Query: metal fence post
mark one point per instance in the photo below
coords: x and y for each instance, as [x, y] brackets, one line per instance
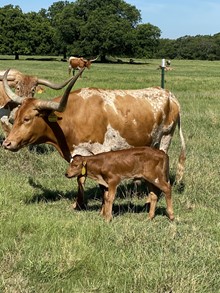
[162, 72]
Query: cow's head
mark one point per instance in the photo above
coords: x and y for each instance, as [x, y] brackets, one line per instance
[33, 117]
[89, 62]
[27, 86]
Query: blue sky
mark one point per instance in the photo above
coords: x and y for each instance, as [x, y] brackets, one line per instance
[175, 18]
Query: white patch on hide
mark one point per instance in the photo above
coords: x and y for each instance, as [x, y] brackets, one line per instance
[156, 180]
[165, 142]
[157, 97]
[134, 122]
[112, 142]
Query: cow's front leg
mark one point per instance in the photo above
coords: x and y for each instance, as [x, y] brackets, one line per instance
[80, 201]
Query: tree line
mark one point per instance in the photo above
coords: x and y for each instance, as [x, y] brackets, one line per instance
[95, 28]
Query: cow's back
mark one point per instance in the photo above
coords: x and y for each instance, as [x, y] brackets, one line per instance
[104, 120]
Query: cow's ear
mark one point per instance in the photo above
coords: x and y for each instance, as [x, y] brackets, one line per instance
[39, 89]
[52, 117]
[43, 113]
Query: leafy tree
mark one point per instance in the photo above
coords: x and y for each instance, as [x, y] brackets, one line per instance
[14, 31]
[98, 27]
[67, 25]
[166, 49]
[216, 38]
[146, 40]
[40, 40]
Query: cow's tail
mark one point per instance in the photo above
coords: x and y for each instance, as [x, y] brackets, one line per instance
[182, 156]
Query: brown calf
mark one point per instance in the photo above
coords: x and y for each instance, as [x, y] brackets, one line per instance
[109, 168]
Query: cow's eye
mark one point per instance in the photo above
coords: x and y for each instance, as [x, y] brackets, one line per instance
[33, 91]
[18, 89]
[26, 119]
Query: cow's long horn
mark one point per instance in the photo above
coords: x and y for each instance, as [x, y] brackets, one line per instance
[94, 59]
[55, 106]
[17, 99]
[53, 85]
[11, 76]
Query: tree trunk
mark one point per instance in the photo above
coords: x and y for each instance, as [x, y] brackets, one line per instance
[103, 59]
[16, 56]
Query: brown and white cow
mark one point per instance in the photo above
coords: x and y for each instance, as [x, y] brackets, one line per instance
[110, 168]
[94, 120]
[79, 63]
[25, 86]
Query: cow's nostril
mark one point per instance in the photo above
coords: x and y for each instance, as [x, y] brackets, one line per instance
[6, 144]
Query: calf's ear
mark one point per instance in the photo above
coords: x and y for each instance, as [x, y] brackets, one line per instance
[83, 168]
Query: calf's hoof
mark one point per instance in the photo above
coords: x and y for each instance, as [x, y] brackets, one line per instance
[107, 218]
[78, 206]
[150, 217]
[170, 216]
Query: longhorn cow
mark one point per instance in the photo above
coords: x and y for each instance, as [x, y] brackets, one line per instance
[24, 85]
[79, 63]
[93, 120]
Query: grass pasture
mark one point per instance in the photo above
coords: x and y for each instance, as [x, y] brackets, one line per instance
[47, 247]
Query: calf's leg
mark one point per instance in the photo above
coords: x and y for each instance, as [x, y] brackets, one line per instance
[109, 196]
[152, 200]
[153, 204]
[104, 190]
[80, 202]
[167, 191]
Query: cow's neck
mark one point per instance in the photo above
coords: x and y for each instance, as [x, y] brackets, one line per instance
[58, 139]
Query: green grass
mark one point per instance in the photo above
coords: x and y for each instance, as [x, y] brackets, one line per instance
[47, 247]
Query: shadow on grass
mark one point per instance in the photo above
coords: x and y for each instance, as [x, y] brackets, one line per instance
[93, 196]
[45, 194]
[178, 187]
[41, 149]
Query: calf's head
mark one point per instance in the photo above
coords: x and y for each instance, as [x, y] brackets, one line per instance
[77, 167]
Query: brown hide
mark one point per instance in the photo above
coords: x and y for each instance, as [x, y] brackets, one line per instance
[24, 86]
[78, 63]
[97, 120]
[110, 168]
